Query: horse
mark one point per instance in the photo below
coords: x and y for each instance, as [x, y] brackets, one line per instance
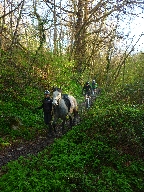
[64, 105]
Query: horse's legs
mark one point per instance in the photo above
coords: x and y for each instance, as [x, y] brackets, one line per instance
[54, 124]
[63, 125]
[71, 122]
[75, 117]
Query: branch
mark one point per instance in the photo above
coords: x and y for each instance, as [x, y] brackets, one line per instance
[11, 10]
[125, 57]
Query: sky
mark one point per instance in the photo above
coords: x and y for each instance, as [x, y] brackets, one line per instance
[137, 27]
[134, 27]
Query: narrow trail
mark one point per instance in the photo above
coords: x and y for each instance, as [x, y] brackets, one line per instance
[24, 148]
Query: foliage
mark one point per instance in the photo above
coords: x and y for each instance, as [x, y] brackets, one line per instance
[22, 84]
[103, 153]
[131, 80]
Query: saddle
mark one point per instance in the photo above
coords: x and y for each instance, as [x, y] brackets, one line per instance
[67, 101]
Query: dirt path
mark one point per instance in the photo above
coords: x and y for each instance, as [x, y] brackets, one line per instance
[16, 150]
[24, 148]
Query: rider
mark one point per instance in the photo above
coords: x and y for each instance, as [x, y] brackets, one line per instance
[94, 86]
[47, 110]
[87, 89]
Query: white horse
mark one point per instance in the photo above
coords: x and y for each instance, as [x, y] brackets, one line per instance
[64, 105]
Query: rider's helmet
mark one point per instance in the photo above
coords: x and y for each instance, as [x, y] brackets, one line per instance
[87, 83]
[46, 92]
[93, 80]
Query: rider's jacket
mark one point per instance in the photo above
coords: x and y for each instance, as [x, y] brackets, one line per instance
[46, 105]
[94, 85]
[87, 89]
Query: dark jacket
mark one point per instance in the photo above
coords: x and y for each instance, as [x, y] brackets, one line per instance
[46, 105]
[87, 89]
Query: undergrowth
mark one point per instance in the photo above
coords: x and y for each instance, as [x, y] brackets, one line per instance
[22, 84]
[103, 153]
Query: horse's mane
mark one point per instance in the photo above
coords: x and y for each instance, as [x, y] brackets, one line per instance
[57, 89]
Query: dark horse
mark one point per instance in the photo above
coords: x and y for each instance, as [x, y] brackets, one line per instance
[64, 105]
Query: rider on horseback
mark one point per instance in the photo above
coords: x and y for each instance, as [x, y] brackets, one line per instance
[87, 90]
[94, 86]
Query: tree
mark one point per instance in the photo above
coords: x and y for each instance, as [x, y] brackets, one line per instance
[88, 30]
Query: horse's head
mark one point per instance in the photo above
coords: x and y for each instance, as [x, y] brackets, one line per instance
[56, 96]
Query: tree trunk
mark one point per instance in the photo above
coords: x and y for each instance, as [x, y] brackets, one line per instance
[80, 36]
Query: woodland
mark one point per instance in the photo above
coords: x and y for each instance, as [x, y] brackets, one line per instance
[46, 44]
